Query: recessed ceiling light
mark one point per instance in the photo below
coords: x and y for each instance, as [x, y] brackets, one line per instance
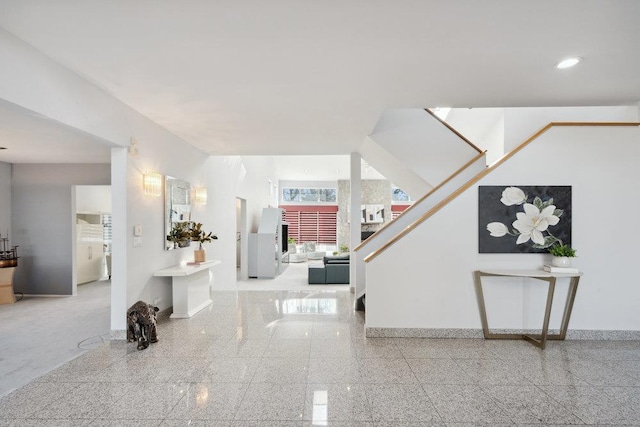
[568, 63]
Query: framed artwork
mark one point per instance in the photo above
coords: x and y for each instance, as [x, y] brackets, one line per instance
[372, 214]
[523, 219]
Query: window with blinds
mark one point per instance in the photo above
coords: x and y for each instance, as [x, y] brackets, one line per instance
[107, 233]
[312, 223]
[396, 210]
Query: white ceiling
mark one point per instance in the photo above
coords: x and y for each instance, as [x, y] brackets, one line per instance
[302, 77]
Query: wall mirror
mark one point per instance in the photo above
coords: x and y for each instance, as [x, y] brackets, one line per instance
[177, 196]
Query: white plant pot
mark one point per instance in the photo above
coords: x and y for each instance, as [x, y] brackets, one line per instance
[561, 261]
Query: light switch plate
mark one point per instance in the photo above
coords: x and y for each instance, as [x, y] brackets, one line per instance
[137, 230]
[137, 242]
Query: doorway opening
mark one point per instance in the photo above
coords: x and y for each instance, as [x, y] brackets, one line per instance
[242, 253]
[92, 231]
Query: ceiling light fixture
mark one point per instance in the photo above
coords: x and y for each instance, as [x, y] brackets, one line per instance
[568, 62]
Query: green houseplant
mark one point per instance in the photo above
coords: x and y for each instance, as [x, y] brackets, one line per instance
[180, 234]
[562, 255]
[562, 250]
[291, 245]
[200, 236]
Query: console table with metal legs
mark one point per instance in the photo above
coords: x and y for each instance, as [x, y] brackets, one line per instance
[541, 339]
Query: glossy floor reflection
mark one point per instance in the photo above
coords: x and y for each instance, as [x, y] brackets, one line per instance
[301, 359]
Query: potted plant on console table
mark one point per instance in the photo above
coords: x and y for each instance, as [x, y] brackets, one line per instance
[562, 255]
[200, 236]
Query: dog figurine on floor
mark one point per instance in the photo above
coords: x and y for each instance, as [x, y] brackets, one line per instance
[141, 324]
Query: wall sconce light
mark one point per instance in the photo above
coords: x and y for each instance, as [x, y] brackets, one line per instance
[201, 195]
[152, 183]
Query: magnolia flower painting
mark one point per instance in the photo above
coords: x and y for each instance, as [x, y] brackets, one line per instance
[523, 219]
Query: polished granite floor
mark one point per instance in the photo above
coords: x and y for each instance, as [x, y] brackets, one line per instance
[285, 358]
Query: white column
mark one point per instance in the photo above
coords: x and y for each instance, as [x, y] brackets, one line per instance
[356, 202]
[119, 161]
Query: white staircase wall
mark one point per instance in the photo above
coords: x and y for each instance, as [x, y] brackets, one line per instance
[487, 128]
[417, 153]
[409, 217]
[394, 170]
[484, 127]
[520, 123]
[420, 143]
[425, 280]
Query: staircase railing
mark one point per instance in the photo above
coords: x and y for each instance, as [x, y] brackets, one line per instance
[422, 199]
[479, 176]
[452, 129]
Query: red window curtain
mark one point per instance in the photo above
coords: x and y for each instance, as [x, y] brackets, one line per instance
[312, 223]
[396, 210]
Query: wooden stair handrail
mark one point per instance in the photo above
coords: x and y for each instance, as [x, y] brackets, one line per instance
[452, 129]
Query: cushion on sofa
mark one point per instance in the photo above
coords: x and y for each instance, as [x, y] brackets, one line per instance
[338, 259]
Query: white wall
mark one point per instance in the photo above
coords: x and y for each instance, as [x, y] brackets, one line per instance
[394, 169]
[231, 177]
[5, 198]
[133, 267]
[34, 81]
[254, 187]
[500, 130]
[436, 261]
[422, 143]
[493, 141]
[43, 214]
[227, 172]
[521, 123]
[482, 126]
[93, 198]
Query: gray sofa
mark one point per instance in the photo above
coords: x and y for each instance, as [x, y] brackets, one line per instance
[332, 270]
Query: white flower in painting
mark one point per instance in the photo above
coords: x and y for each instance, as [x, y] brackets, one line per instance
[497, 229]
[532, 222]
[513, 196]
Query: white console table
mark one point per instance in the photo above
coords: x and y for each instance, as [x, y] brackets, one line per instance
[190, 284]
[550, 278]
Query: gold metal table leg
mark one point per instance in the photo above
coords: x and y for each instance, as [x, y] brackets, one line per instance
[537, 340]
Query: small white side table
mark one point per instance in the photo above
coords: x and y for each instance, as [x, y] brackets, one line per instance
[190, 286]
[537, 340]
